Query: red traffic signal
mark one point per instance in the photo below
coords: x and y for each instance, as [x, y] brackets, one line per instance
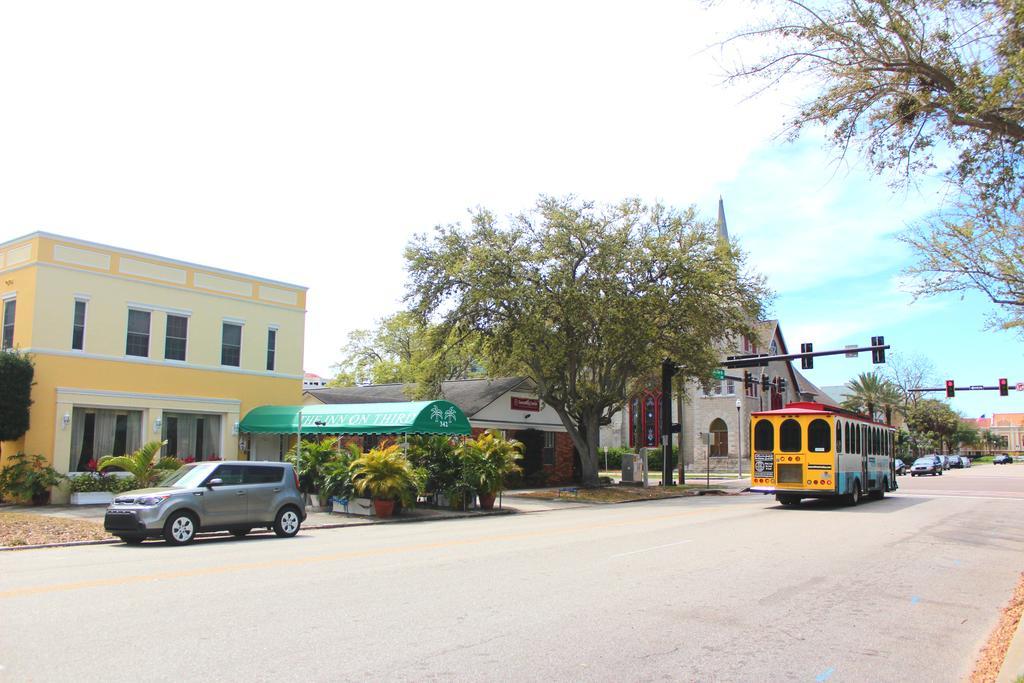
[1004, 387]
[950, 389]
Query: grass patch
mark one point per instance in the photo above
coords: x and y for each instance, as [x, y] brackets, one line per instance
[18, 529]
[618, 494]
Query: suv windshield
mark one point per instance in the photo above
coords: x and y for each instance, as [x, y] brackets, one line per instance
[188, 476]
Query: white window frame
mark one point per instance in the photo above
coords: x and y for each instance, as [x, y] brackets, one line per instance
[188, 335]
[80, 299]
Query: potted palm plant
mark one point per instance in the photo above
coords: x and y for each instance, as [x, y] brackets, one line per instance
[486, 461]
[141, 464]
[387, 476]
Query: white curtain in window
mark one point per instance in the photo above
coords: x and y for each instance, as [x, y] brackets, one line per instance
[134, 435]
[186, 435]
[103, 439]
[77, 433]
[211, 436]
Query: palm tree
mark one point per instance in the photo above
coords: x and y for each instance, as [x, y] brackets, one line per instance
[890, 399]
[139, 464]
[865, 393]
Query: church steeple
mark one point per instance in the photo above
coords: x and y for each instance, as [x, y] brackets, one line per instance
[723, 229]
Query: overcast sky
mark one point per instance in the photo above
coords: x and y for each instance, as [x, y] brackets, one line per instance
[307, 141]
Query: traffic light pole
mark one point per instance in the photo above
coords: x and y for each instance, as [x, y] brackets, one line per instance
[668, 368]
[756, 361]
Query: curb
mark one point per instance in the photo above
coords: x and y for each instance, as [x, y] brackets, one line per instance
[337, 525]
[1013, 662]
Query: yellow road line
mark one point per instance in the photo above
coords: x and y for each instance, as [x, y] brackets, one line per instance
[318, 559]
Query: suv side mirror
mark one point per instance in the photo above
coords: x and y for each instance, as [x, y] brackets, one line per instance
[214, 482]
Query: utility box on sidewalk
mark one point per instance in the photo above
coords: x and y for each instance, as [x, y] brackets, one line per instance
[634, 468]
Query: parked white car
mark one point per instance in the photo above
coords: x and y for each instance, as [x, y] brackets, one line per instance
[965, 461]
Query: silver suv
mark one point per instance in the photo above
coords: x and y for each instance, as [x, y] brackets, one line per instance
[210, 496]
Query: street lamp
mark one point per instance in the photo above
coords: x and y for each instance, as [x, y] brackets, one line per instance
[739, 439]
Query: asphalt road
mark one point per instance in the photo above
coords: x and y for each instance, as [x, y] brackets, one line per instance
[729, 588]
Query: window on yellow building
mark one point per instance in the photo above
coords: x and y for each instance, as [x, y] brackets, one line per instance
[231, 345]
[8, 328]
[78, 326]
[97, 432]
[271, 348]
[192, 435]
[176, 341]
[138, 333]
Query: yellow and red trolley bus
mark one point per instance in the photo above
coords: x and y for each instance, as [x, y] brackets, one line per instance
[810, 450]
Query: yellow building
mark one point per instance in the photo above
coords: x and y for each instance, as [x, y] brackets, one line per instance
[131, 347]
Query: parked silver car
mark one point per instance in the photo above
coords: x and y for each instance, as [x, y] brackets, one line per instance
[965, 461]
[210, 496]
[927, 464]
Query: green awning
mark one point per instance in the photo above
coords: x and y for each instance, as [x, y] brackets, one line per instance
[420, 417]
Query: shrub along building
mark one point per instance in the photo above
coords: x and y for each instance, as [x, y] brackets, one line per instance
[509, 404]
[133, 347]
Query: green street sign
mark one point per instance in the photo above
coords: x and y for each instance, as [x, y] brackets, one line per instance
[718, 374]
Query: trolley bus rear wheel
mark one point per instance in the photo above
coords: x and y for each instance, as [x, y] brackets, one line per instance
[880, 493]
[854, 497]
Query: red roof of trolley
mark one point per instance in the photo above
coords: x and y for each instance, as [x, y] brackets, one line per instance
[805, 408]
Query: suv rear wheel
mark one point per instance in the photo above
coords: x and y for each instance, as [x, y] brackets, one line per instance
[287, 522]
[180, 529]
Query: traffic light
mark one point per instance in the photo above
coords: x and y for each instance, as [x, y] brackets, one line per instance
[950, 389]
[1004, 387]
[806, 362]
[766, 383]
[878, 355]
[748, 380]
[782, 385]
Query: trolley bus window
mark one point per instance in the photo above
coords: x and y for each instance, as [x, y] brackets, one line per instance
[839, 436]
[849, 444]
[764, 436]
[790, 436]
[818, 436]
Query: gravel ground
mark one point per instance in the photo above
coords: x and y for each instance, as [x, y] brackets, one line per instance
[18, 529]
[986, 670]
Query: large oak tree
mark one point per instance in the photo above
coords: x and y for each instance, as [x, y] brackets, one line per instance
[585, 299]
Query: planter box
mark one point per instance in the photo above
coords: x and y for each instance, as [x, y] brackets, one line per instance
[353, 506]
[92, 498]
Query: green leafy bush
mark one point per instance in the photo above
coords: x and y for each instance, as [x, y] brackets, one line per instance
[315, 454]
[122, 484]
[438, 458]
[336, 473]
[16, 374]
[168, 463]
[28, 478]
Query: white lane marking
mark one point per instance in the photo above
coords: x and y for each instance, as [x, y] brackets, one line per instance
[657, 547]
[954, 495]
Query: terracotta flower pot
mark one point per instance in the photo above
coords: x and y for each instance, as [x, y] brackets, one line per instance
[487, 500]
[383, 508]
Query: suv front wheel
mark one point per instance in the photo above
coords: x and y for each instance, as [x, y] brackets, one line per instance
[287, 522]
[180, 528]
